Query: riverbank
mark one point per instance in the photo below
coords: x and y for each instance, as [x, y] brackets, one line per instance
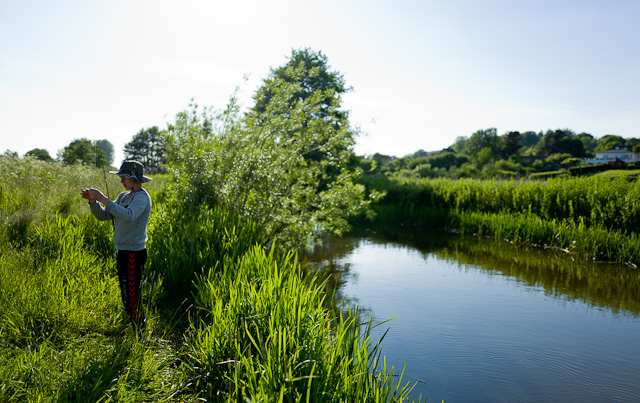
[597, 218]
[228, 319]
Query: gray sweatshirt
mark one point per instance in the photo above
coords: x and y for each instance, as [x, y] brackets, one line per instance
[131, 214]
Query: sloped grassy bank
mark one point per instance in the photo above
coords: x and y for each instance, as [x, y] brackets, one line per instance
[597, 218]
[229, 319]
[261, 330]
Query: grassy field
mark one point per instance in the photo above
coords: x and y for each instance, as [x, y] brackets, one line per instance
[229, 320]
[596, 217]
[629, 174]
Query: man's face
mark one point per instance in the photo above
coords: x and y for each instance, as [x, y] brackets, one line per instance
[128, 183]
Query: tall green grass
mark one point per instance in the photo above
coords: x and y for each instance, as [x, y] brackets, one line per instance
[63, 335]
[597, 217]
[185, 243]
[258, 328]
[263, 334]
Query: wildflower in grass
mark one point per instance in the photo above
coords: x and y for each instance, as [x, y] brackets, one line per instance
[130, 215]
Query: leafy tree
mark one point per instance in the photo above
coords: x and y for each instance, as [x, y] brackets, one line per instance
[414, 162]
[107, 147]
[529, 142]
[419, 153]
[368, 165]
[510, 166]
[383, 160]
[424, 171]
[557, 158]
[610, 142]
[571, 162]
[286, 164]
[484, 156]
[307, 78]
[148, 147]
[468, 170]
[530, 139]
[83, 151]
[447, 160]
[511, 145]
[442, 160]
[376, 163]
[631, 143]
[40, 154]
[398, 164]
[309, 70]
[481, 140]
[460, 146]
[589, 142]
[562, 141]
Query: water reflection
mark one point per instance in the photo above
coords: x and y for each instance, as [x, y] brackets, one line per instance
[609, 286]
[485, 321]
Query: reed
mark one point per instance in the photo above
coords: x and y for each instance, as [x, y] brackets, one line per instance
[597, 217]
[186, 243]
[263, 334]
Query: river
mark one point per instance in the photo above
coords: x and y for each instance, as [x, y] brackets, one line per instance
[478, 320]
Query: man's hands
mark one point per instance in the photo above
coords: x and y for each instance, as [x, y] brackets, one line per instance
[93, 194]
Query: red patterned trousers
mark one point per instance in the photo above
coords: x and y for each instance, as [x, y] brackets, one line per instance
[130, 266]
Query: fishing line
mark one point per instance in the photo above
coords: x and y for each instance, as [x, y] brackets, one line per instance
[104, 174]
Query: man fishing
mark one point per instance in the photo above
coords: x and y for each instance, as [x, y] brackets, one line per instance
[130, 214]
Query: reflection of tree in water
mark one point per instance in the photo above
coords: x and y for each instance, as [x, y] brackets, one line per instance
[561, 275]
[329, 262]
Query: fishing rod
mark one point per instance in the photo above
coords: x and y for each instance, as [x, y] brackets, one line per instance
[106, 185]
[104, 174]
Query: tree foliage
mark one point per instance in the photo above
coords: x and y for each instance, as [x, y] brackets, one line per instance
[10, 154]
[610, 142]
[307, 80]
[286, 163]
[518, 154]
[560, 142]
[530, 139]
[460, 144]
[511, 144]
[482, 140]
[40, 154]
[310, 73]
[83, 151]
[589, 142]
[444, 160]
[107, 148]
[147, 147]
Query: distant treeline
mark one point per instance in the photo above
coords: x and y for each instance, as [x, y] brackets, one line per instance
[485, 154]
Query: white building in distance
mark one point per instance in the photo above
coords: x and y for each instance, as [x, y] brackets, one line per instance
[604, 157]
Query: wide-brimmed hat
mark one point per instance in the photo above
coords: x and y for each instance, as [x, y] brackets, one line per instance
[132, 169]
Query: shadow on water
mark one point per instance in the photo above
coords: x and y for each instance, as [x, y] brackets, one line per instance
[561, 275]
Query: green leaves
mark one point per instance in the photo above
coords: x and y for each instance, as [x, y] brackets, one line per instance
[147, 147]
[263, 332]
[287, 164]
[83, 151]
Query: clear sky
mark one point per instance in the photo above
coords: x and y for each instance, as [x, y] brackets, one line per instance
[422, 72]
